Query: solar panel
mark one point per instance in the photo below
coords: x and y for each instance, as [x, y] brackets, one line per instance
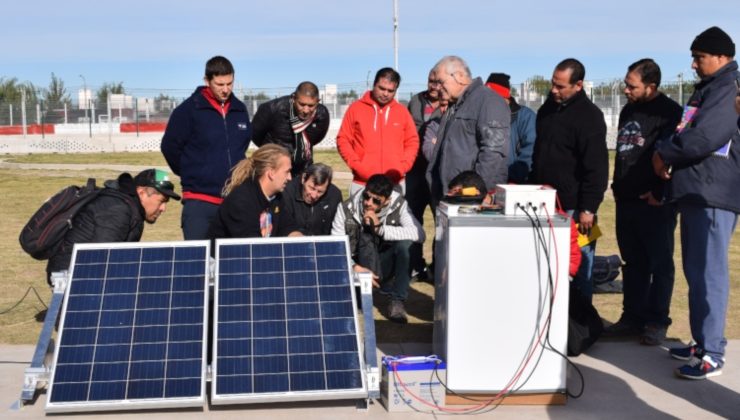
[285, 322]
[132, 329]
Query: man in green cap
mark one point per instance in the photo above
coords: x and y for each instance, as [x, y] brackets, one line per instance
[117, 214]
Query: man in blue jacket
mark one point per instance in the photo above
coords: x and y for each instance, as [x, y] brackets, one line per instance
[702, 161]
[523, 132]
[205, 137]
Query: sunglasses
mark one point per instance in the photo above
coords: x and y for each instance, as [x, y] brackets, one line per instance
[375, 200]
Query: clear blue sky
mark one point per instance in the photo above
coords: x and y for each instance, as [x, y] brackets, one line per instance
[161, 45]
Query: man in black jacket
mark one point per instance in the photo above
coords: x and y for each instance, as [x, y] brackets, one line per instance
[118, 214]
[297, 122]
[644, 224]
[312, 200]
[570, 155]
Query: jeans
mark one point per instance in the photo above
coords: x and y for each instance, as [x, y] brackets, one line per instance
[645, 239]
[196, 218]
[394, 259]
[705, 241]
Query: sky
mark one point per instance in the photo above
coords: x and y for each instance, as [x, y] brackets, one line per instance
[162, 45]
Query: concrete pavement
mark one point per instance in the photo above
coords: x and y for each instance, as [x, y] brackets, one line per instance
[622, 380]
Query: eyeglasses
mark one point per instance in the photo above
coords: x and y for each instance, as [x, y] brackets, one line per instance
[375, 200]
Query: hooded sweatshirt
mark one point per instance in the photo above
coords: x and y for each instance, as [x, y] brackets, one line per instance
[377, 140]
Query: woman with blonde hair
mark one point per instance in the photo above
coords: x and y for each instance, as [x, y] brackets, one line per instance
[252, 197]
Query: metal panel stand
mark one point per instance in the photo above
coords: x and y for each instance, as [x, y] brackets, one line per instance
[364, 281]
[38, 371]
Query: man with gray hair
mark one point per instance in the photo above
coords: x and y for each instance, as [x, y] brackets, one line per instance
[474, 132]
[312, 200]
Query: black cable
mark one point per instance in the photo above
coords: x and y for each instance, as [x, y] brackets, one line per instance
[538, 238]
[30, 288]
[547, 337]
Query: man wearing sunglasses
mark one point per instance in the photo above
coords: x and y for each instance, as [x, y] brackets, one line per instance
[117, 214]
[381, 229]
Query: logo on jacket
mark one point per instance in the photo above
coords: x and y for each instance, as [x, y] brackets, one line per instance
[630, 136]
[241, 126]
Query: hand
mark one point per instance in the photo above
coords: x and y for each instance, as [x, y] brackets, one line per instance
[357, 268]
[370, 218]
[662, 170]
[585, 222]
[648, 196]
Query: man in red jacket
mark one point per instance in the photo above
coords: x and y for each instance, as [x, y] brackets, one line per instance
[378, 135]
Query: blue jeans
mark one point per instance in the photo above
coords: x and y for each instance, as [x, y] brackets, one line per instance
[582, 281]
[196, 218]
[395, 260]
[645, 239]
[705, 241]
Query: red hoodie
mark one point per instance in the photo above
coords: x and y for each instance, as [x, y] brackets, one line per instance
[374, 140]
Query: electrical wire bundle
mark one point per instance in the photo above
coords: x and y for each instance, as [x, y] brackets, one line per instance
[539, 342]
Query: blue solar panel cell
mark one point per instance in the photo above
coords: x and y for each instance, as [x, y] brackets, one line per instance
[285, 319]
[145, 388]
[132, 328]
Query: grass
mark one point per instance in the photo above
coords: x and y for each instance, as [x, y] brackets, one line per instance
[24, 190]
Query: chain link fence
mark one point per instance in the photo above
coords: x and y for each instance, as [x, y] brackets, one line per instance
[149, 109]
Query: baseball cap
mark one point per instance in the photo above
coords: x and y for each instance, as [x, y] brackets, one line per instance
[157, 179]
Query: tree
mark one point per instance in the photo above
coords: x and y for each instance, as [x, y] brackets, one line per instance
[56, 94]
[259, 96]
[348, 96]
[164, 102]
[539, 85]
[11, 91]
[109, 88]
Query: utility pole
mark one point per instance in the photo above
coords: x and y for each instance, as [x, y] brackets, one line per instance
[395, 34]
[680, 88]
[87, 103]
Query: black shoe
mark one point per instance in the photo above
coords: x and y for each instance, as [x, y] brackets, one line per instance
[622, 328]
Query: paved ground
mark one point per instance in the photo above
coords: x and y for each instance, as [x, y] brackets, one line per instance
[622, 380]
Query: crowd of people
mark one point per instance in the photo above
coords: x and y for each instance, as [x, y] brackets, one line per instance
[461, 133]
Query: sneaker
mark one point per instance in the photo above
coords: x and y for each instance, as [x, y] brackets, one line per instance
[700, 368]
[684, 353]
[622, 328]
[397, 312]
[653, 335]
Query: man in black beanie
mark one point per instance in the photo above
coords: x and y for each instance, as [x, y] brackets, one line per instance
[702, 162]
[523, 132]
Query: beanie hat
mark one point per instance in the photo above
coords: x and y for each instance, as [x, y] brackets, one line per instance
[499, 83]
[714, 41]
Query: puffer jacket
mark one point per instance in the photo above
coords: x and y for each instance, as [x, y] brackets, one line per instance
[114, 216]
[374, 140]
[704, 155]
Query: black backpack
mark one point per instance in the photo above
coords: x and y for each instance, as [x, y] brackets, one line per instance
[43, 234]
